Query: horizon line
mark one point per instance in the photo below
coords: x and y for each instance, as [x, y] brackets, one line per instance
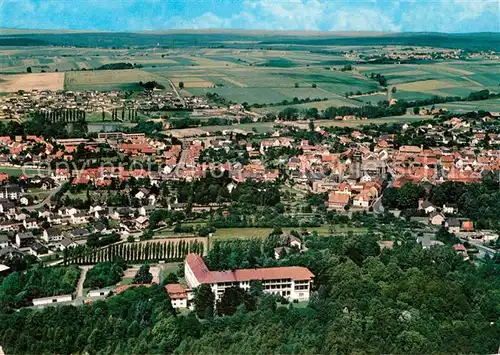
[227, 30]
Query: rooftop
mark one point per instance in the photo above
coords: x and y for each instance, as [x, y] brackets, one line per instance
[201, 272]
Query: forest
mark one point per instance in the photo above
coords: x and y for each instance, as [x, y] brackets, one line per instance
[213, 187]
[405, 300]
[20, 288]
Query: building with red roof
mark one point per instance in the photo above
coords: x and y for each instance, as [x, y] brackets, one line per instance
[178, 295]
[292, 282]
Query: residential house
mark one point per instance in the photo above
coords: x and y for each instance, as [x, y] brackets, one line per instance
[30, 223]
[101, 228]
[453, 225]
[141, 222]
[52, 235]
[79, 218]
[24, 239]
[79, 233]
[450, 208]
[437, 218]
[4, 241]
[178, 295]
[12, 192]
[361, 201]
[67, 211]
[38, 249]
[461, 250]
[427, 242]
[10, 226]
[467, 226]
[426, 206]
[337, 201]
[56, 218]
[66, 243]
[7, 207]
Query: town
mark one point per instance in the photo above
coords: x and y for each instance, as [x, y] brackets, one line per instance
[147, 208]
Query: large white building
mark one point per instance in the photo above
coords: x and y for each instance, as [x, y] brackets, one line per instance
[293, 282]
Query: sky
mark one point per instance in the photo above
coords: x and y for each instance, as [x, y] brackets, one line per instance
[312, 15]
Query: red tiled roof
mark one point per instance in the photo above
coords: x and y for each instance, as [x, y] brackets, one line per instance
[201, 272]
[176, 291]
[468, 225]
[336, 198]
[459, 247]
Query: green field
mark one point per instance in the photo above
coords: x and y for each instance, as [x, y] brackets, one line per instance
[109, 80]
[17, 171]
[450, 78]
[248, 233]
[486, 105]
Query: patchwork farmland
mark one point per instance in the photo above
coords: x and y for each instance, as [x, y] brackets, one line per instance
[251, 75]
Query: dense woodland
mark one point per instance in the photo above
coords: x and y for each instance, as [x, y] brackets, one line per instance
[104, 274]
[20, 288]
[401, 301]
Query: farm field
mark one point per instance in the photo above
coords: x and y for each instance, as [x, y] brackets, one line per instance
[320, 105]
[451, 78]
[486, 105]
[356, 123]
[33, 81]
[109, 80]
[251, 75]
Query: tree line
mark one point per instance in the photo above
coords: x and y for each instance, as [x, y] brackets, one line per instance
[133, 252]
[126, 113]
[62, 115]
[383, 109]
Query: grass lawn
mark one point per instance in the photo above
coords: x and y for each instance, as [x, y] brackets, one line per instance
[302, 304]
[18, 171]
[126, 281]
[169, 268]
[249, 233]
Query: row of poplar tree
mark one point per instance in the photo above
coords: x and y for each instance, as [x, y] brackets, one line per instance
[126, 113]
[133, 252]
[62, 115]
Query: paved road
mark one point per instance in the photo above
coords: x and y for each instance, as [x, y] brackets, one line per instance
[482, 249]
[378, 208]
[176, 92]
[79, 287]
[182, 162]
